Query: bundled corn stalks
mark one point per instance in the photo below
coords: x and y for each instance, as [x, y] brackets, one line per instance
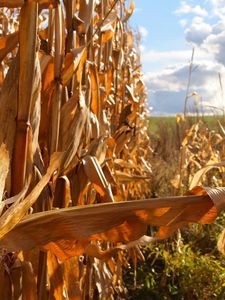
[73, 148]
[72, 100]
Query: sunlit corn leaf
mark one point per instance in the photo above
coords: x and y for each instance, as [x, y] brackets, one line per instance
[95, 93]
[20, 208]
[73, 60]
[130, 10]
[8, 111]
[126, 221]
[211, 165]
[85, 15]
[4, 168]
[11, 3]
[125, 177]
[7, 44]
[95, 174]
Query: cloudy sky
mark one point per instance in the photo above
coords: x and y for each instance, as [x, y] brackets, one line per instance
[170, 29]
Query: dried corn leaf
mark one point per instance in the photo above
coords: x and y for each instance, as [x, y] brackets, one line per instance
[73, 137]
[95, 251]
[4, 168]
[19, 208]
[107, 32]
[7, 44]
[72, 278]
[197, 177]
[98, 148]
[125, 177]
[85, 15]
[47, 3]
[35, 115]
[95, 174]
[55, 277]
[129, 11]
[221, 128]
[73, 61]
[11, 3]
[95, 94]
[125, 221]
[29, 288]
[8, 111]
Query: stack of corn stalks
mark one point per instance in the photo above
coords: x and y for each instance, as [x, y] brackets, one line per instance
[72, 99]
[73, 148]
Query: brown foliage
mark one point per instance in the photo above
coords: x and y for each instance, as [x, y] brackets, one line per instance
[74, 148]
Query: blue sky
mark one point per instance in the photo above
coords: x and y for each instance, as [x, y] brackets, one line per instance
[170, 29]
[160, 21]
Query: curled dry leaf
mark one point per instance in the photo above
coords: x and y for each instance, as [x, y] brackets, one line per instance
[107, 32]
[95, 94]
[197, 177]
[74, 60]
[126, 221]
[20, 208]
[221, 128]
[95, 174]
[129, 11]
[73, 136]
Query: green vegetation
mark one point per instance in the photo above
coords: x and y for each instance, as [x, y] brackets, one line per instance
[170, 121]
[187, 266]
[179, 272]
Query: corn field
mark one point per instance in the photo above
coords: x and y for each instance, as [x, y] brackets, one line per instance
[75, 153]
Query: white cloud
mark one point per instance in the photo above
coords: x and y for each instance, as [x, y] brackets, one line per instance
[167, 58]
[215, 43]
[164, 56]
[218, 27]
[168, 87]
[198, 31]
[155, 61]
[208, 36]
[218, 8]
[185, 8]
[183, 22]
[143, 31]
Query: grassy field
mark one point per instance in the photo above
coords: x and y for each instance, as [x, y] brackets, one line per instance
[170, 122]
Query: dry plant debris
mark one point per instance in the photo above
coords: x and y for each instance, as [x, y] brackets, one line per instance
[74, 148]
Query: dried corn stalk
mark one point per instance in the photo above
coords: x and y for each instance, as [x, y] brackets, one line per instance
[201, 151]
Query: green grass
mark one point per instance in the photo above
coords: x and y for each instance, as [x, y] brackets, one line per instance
[170, 122]
[155, 121]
